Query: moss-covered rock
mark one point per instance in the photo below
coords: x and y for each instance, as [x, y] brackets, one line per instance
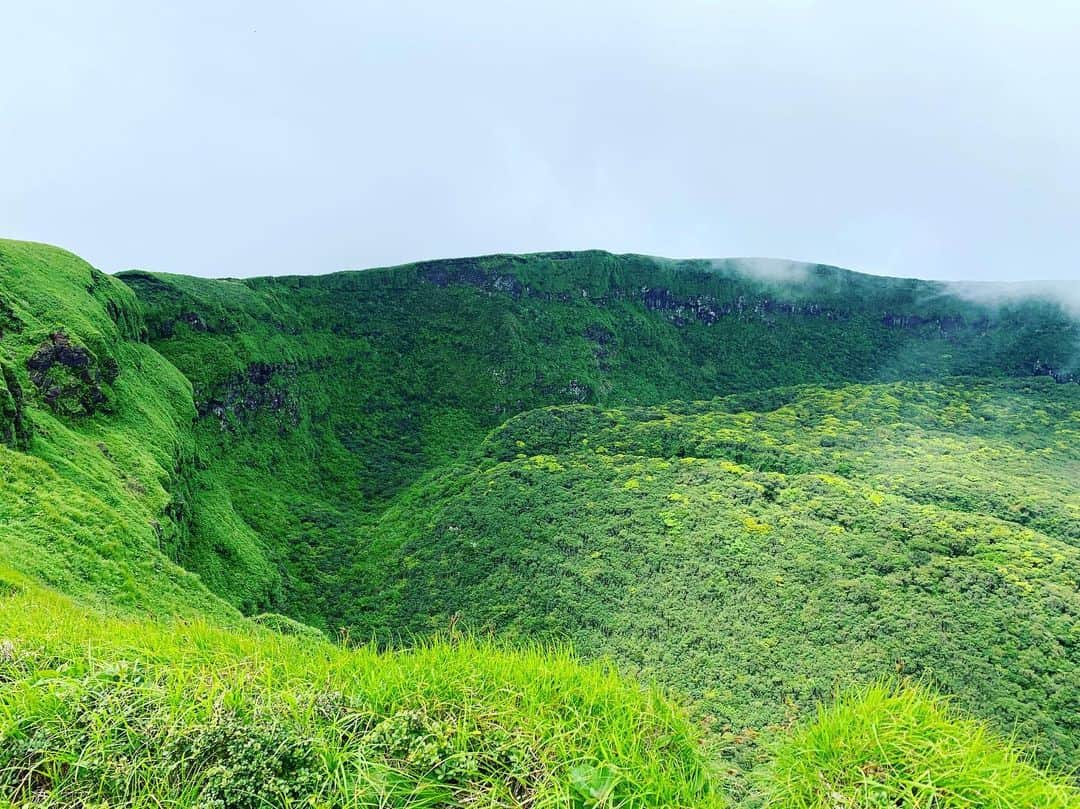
[71, 379]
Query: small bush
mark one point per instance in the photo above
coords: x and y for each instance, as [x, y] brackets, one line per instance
[244, 762]
[287, 626]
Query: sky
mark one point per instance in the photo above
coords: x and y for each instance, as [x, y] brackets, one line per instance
[929, 139]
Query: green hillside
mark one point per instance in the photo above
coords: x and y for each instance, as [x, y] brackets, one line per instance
[775, 509]
[321, 397]
[755, 558]
[97, 434]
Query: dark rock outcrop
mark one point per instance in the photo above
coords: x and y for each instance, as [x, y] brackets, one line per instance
[679, 309]
[70, 378]
[262, 387]
[1061, 375]
[442, 273]
[945, 324]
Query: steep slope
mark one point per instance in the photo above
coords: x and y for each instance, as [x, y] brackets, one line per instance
[96, 434]
[320, 397]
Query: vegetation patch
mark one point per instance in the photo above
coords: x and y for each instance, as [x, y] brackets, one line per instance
[96, 711]
[889, 746]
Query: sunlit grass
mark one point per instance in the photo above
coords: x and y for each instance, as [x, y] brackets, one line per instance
[129, 712]
[888, 745]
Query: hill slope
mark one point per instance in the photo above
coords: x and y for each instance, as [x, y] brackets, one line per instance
[96, 428]
[511, 444]
[347, 387]
[757, 550]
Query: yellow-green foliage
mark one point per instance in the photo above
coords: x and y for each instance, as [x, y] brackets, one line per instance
[122, 712]
[902, 746]
[766, 555]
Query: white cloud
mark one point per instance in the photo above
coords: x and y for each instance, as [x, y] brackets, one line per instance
[774, 270]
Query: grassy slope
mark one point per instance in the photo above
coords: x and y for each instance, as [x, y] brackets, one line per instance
[134, 713]
[86, 506]
[886, 746]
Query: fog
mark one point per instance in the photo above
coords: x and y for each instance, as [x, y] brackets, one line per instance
[1065, 293]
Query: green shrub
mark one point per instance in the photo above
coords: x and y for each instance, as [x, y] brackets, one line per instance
[244, 762]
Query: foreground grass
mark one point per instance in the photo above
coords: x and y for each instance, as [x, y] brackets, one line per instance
[122, 712]
[106, 712]
[889, 746]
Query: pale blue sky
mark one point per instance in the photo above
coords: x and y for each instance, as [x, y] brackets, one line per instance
[935, 139]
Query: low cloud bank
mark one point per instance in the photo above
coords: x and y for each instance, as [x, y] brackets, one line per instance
[1064, 293]
[774, 270]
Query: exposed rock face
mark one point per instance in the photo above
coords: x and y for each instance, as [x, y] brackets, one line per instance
[945, 325]
[175, 309]
[1040, 368]
[679, 309]
[14, 426]
[603, 340]
[193, 320]
[69, 377]
[708, 309]
[454, 271]
[263, 387]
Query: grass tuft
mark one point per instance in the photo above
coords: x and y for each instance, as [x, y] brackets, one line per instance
[891, 744]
